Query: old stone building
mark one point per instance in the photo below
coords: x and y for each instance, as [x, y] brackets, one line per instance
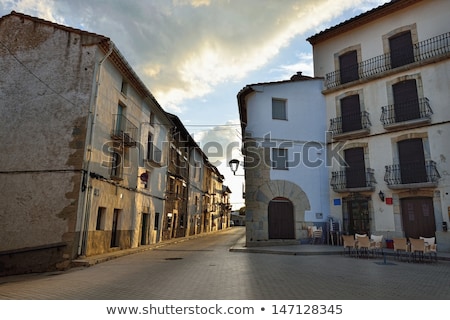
[87, 149]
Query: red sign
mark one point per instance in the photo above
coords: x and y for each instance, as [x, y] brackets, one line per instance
[388, 200]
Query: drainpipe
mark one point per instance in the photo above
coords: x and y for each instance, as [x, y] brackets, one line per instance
[87, 180]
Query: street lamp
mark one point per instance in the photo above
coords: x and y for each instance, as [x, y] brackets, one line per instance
[234, 165]
[381, 195]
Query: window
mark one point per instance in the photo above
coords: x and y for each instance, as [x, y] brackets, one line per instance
[348, 64]
[150, 146]
[116, 167]
[279, 159]
[351, 113]
[196, 204]
[152, 118]
[100, 225]
[124, 88]
[279, 109]
[401, 48]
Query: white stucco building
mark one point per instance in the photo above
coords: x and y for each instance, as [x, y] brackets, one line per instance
[286, 180]
[387, 77]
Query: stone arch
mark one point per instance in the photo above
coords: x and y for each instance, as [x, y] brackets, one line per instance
[285, 189]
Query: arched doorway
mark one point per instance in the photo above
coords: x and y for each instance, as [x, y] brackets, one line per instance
[281, 219]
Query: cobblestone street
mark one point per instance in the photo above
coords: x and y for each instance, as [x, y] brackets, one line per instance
[205, 268]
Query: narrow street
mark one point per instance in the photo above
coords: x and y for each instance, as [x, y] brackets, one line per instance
[204, 269]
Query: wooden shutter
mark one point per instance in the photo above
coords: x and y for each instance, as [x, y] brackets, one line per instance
[348, 64]
[401, 47]
[355, 173]
[406, 100]
[412, 161]
[351, 114]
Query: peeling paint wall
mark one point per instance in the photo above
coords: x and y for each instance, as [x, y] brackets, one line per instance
[45, 92]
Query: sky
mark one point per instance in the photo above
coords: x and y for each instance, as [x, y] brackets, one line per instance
[196, 55]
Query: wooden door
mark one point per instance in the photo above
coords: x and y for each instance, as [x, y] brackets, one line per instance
[418, 217]
[281, 219]
[114, 228]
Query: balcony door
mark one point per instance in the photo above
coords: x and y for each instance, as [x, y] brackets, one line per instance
[355, 172]
[348, 64]
[401, 48]
[281, 219]
[351, 114]
[412, 161]
[406, 101]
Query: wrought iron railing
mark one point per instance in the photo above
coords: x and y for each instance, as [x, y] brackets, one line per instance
[124, 130]
[398, 174]
[424, 50]
[411, 110]
[361, 120]
[339, 180]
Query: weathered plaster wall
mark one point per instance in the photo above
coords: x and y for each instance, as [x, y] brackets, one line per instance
[44, 94]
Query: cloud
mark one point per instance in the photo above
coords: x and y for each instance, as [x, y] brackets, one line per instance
[184, 49]
[220, 143]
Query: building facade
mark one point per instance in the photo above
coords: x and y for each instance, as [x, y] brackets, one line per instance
[283, 132]
[88, 164]
[386, 85]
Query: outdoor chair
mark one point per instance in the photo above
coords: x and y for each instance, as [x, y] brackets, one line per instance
[430, 247]
[349, 243]
[417, 248]
[376, 244]
[318, 235]
[363, 245]
[400, 247]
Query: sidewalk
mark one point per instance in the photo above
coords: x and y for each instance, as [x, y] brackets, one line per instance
[312, 249]
[288, 249]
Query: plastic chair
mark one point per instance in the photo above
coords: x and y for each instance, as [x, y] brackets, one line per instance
[317, 235]
[335, 231]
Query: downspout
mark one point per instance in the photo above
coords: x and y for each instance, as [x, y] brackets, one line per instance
[87, 180]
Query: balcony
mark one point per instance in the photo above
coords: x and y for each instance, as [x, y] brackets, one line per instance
[409, 114]
[353, 181]
[424, 51]
[412, 176]
[124, 130]
[350, 126]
